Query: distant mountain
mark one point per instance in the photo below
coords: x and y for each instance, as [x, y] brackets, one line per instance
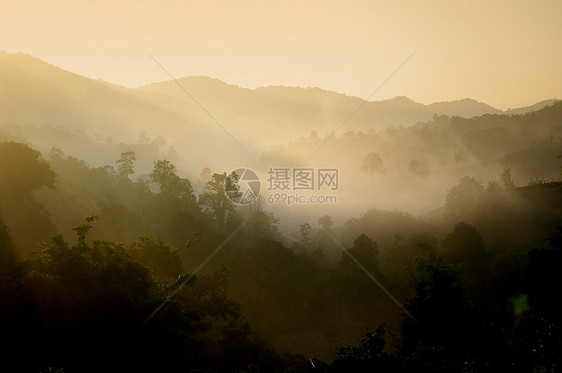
[298, 108]
[466, 108]
[528, 109]
[33, 92]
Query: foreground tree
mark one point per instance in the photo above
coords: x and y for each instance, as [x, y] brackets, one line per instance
[85, 306]
[7, 252]
[23, 170]
[368, 356]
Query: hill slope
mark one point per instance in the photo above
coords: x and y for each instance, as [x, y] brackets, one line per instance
[36, 93]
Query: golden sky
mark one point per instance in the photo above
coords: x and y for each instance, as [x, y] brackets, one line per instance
[505, 53]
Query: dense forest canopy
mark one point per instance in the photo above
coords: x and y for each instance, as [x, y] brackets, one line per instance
[441, 255]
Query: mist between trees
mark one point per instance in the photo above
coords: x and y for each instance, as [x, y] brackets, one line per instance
[87, 253]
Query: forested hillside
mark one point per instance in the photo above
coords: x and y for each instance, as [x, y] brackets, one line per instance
[475, 279]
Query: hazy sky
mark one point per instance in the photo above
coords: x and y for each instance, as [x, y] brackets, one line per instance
[505, 53]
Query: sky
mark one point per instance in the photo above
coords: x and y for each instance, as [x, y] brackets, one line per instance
[505, 53]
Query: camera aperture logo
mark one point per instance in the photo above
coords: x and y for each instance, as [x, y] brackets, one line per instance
[286, 185]
[242, 186]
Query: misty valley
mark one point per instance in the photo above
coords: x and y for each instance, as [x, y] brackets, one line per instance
[422, 238]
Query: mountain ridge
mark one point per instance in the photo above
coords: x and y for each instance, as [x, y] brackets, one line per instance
[34, 92]
[440, 107]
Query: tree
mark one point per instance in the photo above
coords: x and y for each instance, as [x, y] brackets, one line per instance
[164, 174]
[22, 170]
[171, 185]
[143, 138]
[7, 253]
[439, 309]
[464, 244]
[84, 307]
[83, 229]
[126, 164]
[410, 256]
[373, 163]
[69, 304]
[465, 199]
[304, 241]
[506, 181]
[494, 189]
[365, 251]
[204, 178]
[262, 224]
[367, 357]
[162, 260]
[322, 240]
[326, 223]
[55, 154]
[216, 199]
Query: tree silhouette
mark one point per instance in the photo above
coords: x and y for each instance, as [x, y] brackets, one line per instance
[126, 164]
[464, 244]
[304, 241]
[373, 163]
[506, 181]
[7, 252]
[322, 240]
[365, 251]
[439, 308]
[165, 175]
[83, 229]
[326, 222]
[22, 170]
[465, 200]
[368, 356]
[215, 198]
